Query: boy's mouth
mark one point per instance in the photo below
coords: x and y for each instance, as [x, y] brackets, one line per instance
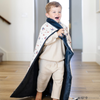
[56, 17]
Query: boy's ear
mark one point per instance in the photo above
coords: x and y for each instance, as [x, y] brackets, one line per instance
[47, 14]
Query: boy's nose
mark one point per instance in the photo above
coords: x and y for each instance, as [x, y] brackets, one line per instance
[57, 13]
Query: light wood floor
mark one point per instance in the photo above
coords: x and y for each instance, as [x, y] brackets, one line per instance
[85, 82]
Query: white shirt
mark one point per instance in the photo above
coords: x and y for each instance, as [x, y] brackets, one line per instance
[53, 49]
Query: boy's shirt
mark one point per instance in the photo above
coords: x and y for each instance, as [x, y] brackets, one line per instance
[53, 49]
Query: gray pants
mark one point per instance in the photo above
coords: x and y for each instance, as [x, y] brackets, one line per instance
[48, 69]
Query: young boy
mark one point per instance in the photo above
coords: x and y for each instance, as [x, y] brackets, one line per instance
[51, 58]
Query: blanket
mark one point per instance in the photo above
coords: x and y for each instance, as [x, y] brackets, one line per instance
[28, 86]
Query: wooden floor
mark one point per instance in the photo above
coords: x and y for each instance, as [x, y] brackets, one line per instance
[85, 82]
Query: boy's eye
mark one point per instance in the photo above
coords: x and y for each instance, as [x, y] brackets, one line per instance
[59, 11]
[54, 12]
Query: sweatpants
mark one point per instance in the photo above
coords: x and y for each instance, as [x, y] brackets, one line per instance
[48, 69]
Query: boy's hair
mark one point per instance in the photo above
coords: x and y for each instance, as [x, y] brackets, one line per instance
[52, 4]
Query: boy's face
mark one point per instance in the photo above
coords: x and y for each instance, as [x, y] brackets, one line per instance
[54, 13]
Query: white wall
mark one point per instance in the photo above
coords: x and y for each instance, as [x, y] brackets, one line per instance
[98, 38]
[76, 24]
[17, 39]
[89, 30]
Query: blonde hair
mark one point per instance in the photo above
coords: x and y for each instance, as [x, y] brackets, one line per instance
[52, 4]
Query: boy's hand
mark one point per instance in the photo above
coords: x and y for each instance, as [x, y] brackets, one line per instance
[60, 32]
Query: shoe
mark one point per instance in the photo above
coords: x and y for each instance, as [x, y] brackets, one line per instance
[73, 98]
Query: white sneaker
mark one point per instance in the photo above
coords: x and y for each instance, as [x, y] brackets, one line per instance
[73, 98]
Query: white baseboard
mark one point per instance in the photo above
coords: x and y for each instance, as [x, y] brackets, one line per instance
[19, 56]
[4, 53]
[88, 57]
[98, 58]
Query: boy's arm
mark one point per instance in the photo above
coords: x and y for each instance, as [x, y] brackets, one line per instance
[51, 39]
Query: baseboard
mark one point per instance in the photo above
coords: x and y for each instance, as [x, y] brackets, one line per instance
[4, 53]
[88, 57]
[98, 58]
[19, 56]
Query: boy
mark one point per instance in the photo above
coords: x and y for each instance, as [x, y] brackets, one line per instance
[55, 46]
[51, 58]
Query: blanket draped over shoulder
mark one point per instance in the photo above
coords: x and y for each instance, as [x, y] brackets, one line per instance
[28, 86]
